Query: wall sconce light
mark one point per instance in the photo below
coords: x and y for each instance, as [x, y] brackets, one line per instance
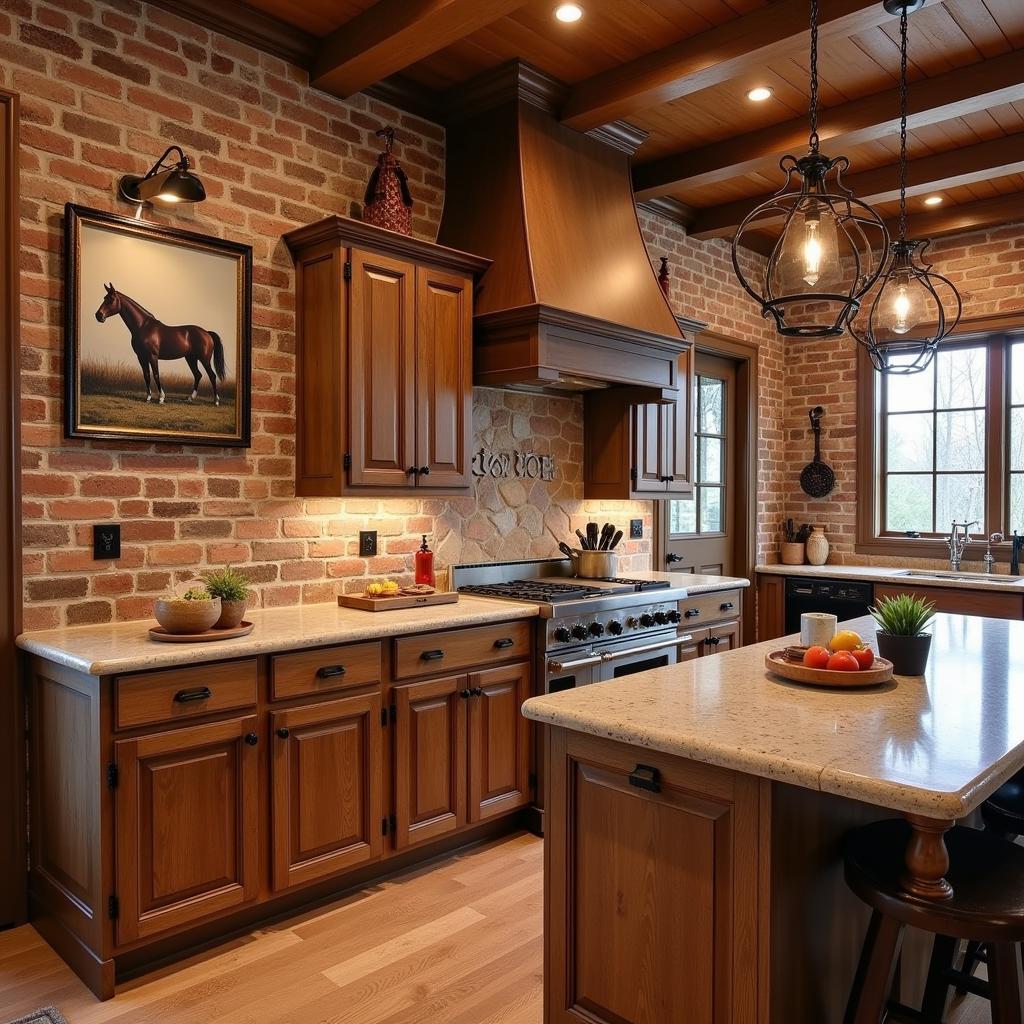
[170, 182]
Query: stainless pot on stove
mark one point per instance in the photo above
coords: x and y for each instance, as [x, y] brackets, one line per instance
[595, 565]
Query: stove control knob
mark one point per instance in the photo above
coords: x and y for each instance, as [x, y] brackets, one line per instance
[661, 618]
[646, 620]
[615, 627]
[632, 622]
[561, 634]
[673, 616]
[579, 631]
[596, 629]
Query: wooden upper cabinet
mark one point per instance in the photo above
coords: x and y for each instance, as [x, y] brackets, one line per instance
[384, 362]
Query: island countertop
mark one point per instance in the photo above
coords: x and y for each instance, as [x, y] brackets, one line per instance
[936, 746]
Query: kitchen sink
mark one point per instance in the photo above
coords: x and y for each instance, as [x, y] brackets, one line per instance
[925, 574]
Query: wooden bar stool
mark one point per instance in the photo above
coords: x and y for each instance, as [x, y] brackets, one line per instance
[987, 904]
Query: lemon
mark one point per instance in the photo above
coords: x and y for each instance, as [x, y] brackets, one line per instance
[845, 640]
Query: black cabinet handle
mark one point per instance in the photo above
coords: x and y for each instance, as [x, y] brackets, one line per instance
[199, 693]
[424, 471]
[283, 733]
[645, 777]
[477, 692]
[713, 641]
[691, 612]
[252, 739]
[504, 642]
[432, 655]
[330, 671]
[465, 694]
[727, 607]
[673, 557]
[412, 471]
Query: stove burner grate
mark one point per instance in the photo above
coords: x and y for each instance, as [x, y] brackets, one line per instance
[541, 591]
[639, 586]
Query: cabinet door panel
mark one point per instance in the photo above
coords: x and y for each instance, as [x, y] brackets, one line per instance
[327, 788]
[499, 742]
[648, 446]
[724, 637]
[444, 377]
[382, 308]
[187, 825]
[430, 759]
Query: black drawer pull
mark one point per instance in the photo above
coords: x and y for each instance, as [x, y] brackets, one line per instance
[465, 694]
[432, 655]
[252, 739]
[727, 607]
[477, 692]
[691, 612]
[199, 693]
[504, 642]
[645, 777]
[284, 732]
[330, 671]
[713, 641]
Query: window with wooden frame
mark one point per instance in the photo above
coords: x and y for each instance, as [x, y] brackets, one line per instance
[942, 445]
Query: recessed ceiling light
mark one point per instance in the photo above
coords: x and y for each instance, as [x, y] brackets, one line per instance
[568, 12]
[933, 201]
[760, 94]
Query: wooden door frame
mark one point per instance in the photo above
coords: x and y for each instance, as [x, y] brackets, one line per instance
[13, 898]
[746, 355]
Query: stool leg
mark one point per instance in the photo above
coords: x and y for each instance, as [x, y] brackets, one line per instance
[970, 962]
[1004, 969]
[873, 980]
[936, 990]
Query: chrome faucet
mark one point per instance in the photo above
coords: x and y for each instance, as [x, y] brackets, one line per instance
[990, 559]
[957, 540]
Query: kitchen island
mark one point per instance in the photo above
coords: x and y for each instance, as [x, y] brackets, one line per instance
[695, 818]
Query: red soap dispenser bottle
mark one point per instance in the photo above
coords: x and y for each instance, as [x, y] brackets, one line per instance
[425, 564]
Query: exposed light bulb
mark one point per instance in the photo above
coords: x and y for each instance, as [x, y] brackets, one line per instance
[169, 197]
[903, 309]
[568, 13]
[812, 252]
[760, 94]
[809, 260]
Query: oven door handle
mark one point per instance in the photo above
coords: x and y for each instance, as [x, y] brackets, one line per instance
[646, 649]
[569, 666]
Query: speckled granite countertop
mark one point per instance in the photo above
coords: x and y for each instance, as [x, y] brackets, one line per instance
[882, 574]
[937, 746]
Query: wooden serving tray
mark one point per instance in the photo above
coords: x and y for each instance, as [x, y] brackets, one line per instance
[161, 634]
[390, 604]
[880, 672]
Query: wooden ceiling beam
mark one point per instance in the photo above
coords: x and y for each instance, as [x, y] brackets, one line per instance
[967, 165]
[394, 34]
[709, 58]
[957, 93]
[956, 220]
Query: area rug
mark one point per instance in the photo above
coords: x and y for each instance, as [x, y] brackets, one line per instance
[47, 1015]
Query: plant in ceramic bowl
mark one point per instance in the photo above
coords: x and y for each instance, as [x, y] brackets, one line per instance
[194, 611]
[232, 587]
[902, 639]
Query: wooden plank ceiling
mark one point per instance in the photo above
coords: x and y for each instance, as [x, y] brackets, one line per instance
[680, 70]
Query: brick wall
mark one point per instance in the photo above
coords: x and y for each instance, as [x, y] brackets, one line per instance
[105, 87]
[987, 268]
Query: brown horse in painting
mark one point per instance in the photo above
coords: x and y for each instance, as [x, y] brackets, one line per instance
[153, 341]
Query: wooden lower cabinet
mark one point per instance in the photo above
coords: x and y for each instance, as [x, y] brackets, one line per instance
[634, 850]
[327, 782]
[186, 825]
[722, 637]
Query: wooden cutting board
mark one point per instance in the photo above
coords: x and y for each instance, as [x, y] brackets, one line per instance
[390, 604]
[777, 663]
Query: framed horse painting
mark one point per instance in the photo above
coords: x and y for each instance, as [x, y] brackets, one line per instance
[158, 332]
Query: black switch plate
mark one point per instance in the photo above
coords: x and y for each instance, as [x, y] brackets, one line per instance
[106, 541]
[367, 543]
[636, 529]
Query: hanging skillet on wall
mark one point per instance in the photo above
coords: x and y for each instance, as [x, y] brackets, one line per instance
[817, 479]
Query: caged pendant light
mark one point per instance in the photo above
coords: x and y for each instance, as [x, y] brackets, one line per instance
[830, 248]
[911, 293]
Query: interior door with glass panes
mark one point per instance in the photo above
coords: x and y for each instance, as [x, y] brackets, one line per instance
[700, 528]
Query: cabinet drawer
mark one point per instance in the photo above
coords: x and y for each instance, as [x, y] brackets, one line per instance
[457, 649]
[325, 670]
[709, 607]
[149, 698]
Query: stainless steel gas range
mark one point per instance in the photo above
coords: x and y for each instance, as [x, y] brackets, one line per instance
[588, 630]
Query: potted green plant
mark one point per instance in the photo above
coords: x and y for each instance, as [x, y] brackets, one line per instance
[902, 639]
[194, 611]
[232, 587]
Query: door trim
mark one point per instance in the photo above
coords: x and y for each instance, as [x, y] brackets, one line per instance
[747, 357]
[13, 898]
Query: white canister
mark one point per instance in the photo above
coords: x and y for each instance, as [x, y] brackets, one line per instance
[817, 628]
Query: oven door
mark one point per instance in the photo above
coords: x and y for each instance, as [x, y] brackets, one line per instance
[658, 652]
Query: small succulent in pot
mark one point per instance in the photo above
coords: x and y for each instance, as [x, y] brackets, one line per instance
[902, 639]
[232, 587]
[194, 611]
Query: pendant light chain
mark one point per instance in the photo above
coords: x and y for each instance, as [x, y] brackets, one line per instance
[903, 125]
[814, 77]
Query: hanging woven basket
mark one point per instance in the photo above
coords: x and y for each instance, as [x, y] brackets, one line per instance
[388, 203]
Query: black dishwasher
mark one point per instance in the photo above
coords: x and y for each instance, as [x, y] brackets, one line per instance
[842, 598]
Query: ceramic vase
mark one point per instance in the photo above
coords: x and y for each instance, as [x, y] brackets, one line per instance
[231, 613]
[179, 616]
[791, 553]
[817, 546]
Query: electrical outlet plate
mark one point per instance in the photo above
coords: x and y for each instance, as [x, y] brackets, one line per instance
[367, 543]
[106, 541]
[636, 529]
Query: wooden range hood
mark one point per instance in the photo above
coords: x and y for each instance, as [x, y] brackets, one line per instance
[571, 302]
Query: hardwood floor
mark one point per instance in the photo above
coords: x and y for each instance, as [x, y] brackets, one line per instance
[459, 941]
